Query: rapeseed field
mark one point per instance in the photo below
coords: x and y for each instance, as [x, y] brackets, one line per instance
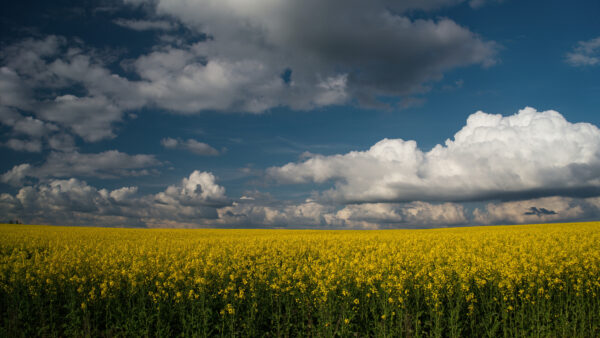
[532, 280]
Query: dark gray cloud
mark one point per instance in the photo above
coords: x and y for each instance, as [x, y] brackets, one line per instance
[539, 211]
[337, 52]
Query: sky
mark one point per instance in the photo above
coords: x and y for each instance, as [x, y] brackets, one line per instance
[316, 114]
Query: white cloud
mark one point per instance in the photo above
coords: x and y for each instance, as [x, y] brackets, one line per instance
[196, 147]
[586, 53]
[529, 153]
[144, 25]
[193, 202]
[123, 194]
[198, 188]
[61, 195]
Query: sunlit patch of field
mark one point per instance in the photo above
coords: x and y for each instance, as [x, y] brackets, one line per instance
[495, 281]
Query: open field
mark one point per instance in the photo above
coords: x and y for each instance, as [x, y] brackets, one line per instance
[541, 280]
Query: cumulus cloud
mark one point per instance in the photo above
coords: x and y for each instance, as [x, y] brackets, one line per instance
[123, 194]
[107, 164]
[27, 132]
[524, 155]
[34, 71]
[196, 147]
[197, 189]
[89, 117]
[586, 53]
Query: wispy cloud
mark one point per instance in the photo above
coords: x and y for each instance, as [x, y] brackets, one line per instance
[586, 53]
[144, 25]
[196, 147]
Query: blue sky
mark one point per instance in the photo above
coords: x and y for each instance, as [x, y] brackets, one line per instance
[327, 114]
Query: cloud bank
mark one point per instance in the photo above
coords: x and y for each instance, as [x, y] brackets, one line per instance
[198, 201]
[74, 202]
